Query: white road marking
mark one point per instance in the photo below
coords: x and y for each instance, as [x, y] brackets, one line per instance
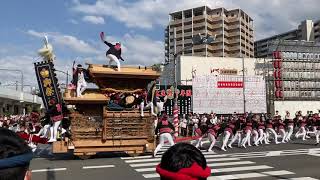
[251, 157]
[243, 168]
[138, 157]
[146, 169]
[222, 159]
[98, 167]
[236, 176]
[303, 178]
[230, 163]
[250, 175]
[311, 151]
[318, 155]
[143, 160]
[208, 160]
[278, 173]
[49, 170]
[153, 175]
[144, 164]
[210, 165]
[274, 153]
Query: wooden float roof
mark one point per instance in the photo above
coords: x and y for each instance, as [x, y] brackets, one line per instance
[89, 97]
[127, 72]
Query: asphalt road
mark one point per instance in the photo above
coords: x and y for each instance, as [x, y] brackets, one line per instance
[297, 161]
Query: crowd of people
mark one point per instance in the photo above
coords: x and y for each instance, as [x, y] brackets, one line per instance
[245, 130]
[34, 128]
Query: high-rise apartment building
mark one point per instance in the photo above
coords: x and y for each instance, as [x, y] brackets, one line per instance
[317, 31]
[306, 31]
[233, 30]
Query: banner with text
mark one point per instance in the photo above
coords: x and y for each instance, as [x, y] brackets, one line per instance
[224, 94]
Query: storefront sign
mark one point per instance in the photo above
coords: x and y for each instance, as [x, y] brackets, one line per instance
[230, 84]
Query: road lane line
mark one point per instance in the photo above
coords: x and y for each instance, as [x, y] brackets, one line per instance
[159, 159]
[303, 178]
[146, 169]
[158, 156]
[248, 153]
[208, 160]
[237, 176]
[143, 160]
[250, 157]
[49, 170]
[222, 159]
[299, 151]
[278, 173]
[215, 155]
[230, 163]
[210, 165]
[153, 175]
[138, 157]
[274, 153]
[144, 164]
[98, 167]
[243, 168]
[249, 175]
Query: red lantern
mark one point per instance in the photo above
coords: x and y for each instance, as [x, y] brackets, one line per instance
[277, 74]
[278, 84]
[279, 64]
[279, 94]
[275, 64]
[276, 55]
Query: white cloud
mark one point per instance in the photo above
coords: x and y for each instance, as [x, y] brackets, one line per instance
[270, 17]
[93, 19]
[22, 63]
[136, 50]
[68, 41]
[25, 64]
[140, 50]
[73, 21]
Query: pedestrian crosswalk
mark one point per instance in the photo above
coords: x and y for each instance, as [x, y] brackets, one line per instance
[226, 166]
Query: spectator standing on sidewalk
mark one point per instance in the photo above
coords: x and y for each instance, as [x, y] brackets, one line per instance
[183, 125]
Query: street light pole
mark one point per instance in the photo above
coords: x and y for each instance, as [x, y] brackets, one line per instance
[15, 70]
[243, 87]
[197, 40]
[67, 74]
[175, 67]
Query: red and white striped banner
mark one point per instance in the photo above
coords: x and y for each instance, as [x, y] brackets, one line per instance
[176, 120]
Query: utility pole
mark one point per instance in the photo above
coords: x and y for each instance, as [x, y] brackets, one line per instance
[16, 70]
[197, 40]
[243, 87]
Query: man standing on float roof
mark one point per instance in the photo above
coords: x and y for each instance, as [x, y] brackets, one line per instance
[114, 52]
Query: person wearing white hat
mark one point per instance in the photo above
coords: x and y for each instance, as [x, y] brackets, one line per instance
[79, 80]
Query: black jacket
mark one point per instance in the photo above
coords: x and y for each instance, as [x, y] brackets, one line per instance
[164, 127]
[113, 50]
